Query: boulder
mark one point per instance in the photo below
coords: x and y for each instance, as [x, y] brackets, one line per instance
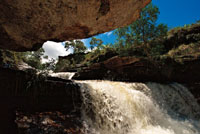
[26, 25]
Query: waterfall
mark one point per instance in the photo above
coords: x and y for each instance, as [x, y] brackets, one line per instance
[138, 108]
[63, 75]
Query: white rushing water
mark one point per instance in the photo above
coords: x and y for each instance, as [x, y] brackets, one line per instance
[63, 75]
[137, 108]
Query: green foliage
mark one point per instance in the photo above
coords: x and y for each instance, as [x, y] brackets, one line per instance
[73, 59]
[192, 49]
[69, 62]
[157, 48]
[50, 65]
[11, 59]
[34, 59]
[77, 45]
[142, 31]
[95, 42]
[62, 65]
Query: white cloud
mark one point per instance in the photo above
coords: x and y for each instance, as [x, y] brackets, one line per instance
[108, 33]
[53, 50]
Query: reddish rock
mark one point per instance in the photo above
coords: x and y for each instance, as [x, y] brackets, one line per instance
[142, 70]
[26, 25]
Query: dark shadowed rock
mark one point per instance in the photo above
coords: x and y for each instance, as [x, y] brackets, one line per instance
[142, 70]
[35, 92]
[195, 90]
[32, 93]
[26, 25]
[182, 35]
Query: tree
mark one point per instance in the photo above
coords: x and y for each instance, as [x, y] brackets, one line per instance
[77, 45]
[34, 58]
[95, 42]
[142, 31]
[50, 65]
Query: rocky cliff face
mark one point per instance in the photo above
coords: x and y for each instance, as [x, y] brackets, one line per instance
[27, 92]
[26, 25]
[37, 93]
[182, 35]
[143, 70]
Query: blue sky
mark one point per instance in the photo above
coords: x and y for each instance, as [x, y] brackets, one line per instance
[172, 12]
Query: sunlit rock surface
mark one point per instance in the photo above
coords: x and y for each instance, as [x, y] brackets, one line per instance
[26, 25]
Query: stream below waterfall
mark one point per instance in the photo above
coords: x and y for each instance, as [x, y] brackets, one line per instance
[138, 108]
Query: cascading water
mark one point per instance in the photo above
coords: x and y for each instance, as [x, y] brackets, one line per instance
[63, 75]
[136, 108]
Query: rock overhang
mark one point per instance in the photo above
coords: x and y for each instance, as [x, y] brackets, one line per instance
[26, 25]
